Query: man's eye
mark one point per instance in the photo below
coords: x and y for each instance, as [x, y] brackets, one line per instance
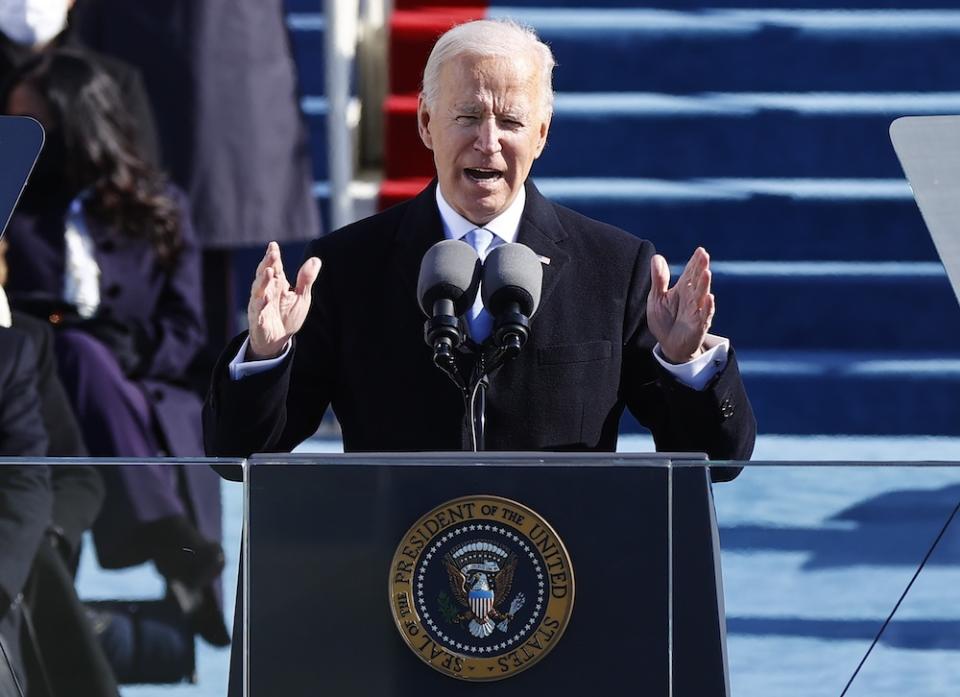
[511, 123]
[466, 119]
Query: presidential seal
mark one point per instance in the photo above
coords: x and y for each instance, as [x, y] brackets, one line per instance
[481, 588]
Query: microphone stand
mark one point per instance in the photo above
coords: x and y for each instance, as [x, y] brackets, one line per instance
[488, 363]
[476, 413]
[474, 390]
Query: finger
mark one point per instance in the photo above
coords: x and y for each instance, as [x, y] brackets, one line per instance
[277, 265]
[707, 311]
[270, 256]
[271, 263]
[704, 256]
[261, 282]
[659, 275]
[307, 275]
[688, 272]
[702, 285]
[692, 296]
[269, 284]
[256, 310]
[699, 260]
[691, 283]
[272, 259]
[261, 314]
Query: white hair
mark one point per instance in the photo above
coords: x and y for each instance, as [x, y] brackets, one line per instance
[499, 38]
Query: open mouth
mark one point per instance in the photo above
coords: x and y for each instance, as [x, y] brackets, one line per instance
[482, 174]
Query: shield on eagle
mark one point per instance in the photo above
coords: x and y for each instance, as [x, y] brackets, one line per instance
[481, 597]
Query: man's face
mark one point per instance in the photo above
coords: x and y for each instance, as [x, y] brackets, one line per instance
[486, 128]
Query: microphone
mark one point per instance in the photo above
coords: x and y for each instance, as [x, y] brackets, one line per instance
[512, 280]
[448, 282]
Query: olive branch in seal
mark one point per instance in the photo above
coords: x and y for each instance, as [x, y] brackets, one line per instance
[447, 608]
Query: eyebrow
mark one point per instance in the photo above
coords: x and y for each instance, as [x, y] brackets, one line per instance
[468, 108]
[473, 109]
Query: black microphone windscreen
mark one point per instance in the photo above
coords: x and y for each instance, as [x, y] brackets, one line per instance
[449, 270]
[512, 273]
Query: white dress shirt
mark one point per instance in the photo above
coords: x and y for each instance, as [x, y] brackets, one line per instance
[695, 374]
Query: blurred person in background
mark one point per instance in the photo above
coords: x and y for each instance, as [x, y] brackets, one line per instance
[102, 246]
[21, 425]
[222, 80]
[223, 84]
[25, 504]
[25, 497]
[65, 439]
[66, 657]
[30, 27]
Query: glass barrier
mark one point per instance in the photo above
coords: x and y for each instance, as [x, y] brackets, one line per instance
[370, 575]
[815, 557]
[20, 141]
[123, 574]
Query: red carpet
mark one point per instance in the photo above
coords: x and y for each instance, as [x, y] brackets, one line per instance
[414, 28]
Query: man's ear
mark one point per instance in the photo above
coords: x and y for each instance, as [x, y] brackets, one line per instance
[542, 140]
[423, 123]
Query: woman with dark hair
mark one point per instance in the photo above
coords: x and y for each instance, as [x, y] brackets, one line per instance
[102, 246]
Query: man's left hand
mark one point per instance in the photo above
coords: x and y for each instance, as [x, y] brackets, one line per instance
[680, 317]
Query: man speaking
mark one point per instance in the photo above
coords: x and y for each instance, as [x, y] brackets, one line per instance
[609, 332]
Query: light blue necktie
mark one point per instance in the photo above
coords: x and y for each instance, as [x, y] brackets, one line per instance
[478, 319]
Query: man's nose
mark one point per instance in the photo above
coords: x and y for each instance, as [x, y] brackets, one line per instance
[488, 137]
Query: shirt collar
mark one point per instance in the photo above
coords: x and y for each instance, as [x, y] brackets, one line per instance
[505, 226]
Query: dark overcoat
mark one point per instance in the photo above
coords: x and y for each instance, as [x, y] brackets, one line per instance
[589, 357]
[63, 432]
[21, 423]
[164, 306]
[221, 78]
[25, 504]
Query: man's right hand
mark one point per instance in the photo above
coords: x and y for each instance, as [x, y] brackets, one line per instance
[277, 310]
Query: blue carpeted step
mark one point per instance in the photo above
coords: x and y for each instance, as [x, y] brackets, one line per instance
[850, 393]
[307, 43]
[729, 135]
[771, 220]
[648, 50]
[302, 6]
[710, 135]
[717, 135]
[315, 112]
[888, 306]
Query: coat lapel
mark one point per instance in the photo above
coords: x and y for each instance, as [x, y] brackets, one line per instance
[420, 229]
[540, 229]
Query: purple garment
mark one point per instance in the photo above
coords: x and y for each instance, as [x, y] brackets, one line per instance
[114, 414]
[122, 417]
[163, 306]
[116, 417]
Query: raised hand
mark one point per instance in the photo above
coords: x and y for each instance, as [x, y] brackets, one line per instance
[277, 310]
[680, 317]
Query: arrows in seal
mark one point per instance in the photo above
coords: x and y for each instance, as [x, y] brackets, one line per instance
[481, 574]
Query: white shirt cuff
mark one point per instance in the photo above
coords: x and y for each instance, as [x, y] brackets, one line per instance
[698, 373]
[239, 368]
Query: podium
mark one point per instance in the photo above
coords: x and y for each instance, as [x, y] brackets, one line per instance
[332, 541]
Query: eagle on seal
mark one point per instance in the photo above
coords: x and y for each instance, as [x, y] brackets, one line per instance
[482, 590]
